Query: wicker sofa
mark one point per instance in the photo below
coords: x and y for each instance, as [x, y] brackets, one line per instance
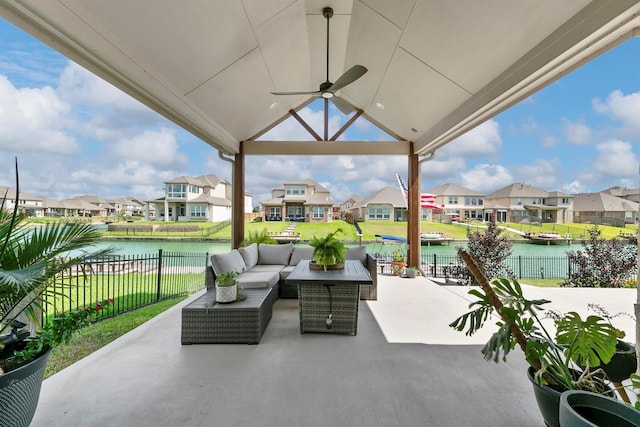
[265, 265]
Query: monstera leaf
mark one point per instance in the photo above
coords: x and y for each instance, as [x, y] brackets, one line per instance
[587, 342]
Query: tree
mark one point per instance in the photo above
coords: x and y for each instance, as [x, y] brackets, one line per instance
[604, 263]
[490, 251]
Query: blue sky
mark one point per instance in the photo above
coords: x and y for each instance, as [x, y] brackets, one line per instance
[74, 134]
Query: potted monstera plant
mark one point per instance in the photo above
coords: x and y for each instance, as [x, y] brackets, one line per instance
[31, 260]
[567, 360]
[328, 252]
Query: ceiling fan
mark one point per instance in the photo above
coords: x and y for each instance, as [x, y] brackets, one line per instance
[328, 89]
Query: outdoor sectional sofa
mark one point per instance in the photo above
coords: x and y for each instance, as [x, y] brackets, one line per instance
[263, 270]
[266, 265]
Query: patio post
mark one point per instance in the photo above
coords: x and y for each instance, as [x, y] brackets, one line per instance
[413, 207]
[237, 198]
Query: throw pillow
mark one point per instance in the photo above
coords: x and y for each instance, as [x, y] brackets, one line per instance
[230, 261]
[358, 254]
[300, 253]
[274, 254]
[249, 255]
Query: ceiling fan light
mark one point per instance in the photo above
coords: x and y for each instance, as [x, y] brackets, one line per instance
[327, 95]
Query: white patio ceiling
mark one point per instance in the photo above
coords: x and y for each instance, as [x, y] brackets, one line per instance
[439, 67]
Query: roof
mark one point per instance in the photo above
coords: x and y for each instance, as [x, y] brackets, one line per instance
[452, 190]
[602, 202]
[214, 72]
[517, 190]
[387, 195]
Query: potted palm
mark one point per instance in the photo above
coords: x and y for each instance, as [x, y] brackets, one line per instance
[31, 260]
[226, 287]
[560, 362]
[328, 252]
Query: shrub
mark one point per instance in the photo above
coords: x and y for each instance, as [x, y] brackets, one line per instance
[604, 263]
[490, 250]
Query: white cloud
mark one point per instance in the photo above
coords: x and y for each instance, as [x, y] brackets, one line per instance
[577, 133]
[621, 107]
[157, 148]
[574, 187]
[541, 174]
[615, 158]
[549, 141]
[34, 120]
[484, 140]
[486, 178]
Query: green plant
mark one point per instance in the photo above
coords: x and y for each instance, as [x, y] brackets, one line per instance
[31, 260]
[261, 236]
[398, 256]
[562, 361]
[604, 263]
[491, 248]
[226, 279]
[328, 250]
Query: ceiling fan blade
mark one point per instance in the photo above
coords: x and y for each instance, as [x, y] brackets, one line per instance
[342, 105]
[315, 92]
[350, 76]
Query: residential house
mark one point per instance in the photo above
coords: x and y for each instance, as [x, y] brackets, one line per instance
[387, 204]
[304, 200]
[128, 206]
[521, 202]
[603, 208]
[632, 194]
[203, 198]
[79, 206]
[459, 202]
[345, 207]
[105, 207]
[28, 204]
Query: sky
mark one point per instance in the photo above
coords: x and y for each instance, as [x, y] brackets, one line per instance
[74, 134]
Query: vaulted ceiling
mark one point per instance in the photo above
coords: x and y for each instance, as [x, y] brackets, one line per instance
[436, 68]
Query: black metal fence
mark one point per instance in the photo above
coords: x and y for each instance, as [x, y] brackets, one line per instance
[131, 281]
[523, 267]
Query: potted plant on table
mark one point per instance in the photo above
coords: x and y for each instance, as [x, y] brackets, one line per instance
[398, 263]
[31, 260]
[328, 252]
[226, 287]
[560, 362]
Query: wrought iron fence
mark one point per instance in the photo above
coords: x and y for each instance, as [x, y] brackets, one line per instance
[131, 281]
[523, 267]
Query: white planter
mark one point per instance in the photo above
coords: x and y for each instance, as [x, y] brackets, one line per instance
[226, 293]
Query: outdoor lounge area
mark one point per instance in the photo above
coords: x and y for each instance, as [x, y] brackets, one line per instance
[405, 367]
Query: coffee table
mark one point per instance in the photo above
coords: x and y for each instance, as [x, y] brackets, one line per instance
[237, 322]
[329, 295]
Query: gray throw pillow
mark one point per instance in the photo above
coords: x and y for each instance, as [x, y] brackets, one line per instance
[300, 253]
[230, 261]
[358, 254]
[274, 254]
[249, 255]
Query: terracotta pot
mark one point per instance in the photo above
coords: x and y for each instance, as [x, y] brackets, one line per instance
[397, 267]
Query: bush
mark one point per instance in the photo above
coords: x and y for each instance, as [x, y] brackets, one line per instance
[490, 250]
[604, 263]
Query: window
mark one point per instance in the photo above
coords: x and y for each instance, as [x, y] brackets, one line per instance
[296, 190]
[176, 190]
[453, 200]
[539, 201]
[519, 201]
[199, 211]
[379, 213]
[194, 189]
[473, 201]
[318, 212]
[565, 201]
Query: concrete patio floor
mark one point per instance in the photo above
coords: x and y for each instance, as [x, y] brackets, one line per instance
[405, 367]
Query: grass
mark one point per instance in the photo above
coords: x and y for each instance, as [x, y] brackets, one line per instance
[97, 335]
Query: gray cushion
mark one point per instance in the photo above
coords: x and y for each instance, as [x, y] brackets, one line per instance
[249, 255]
[267, 268]
[230, 261]
[274, 254]
[285, 272]
[300, 253]
[256, 280]
[358, 253]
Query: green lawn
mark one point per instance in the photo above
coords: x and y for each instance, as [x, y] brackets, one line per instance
[99, 334]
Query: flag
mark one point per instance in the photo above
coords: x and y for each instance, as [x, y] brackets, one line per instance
[427, 200]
